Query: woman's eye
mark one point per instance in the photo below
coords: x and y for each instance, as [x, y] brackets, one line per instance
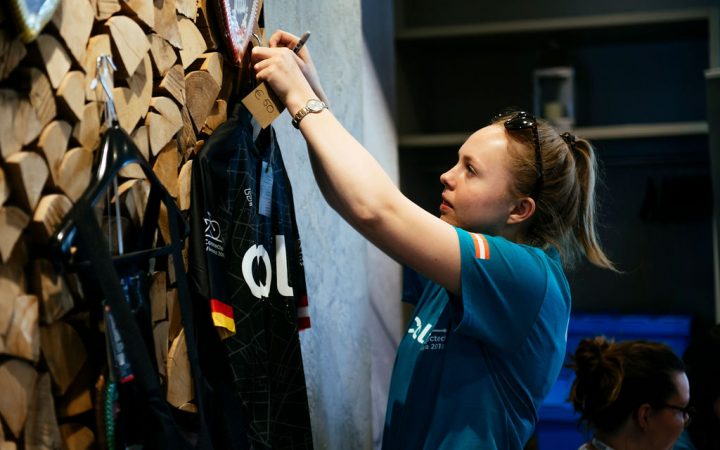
[471, 169]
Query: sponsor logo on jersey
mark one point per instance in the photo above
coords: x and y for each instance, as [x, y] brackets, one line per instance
[213, 241]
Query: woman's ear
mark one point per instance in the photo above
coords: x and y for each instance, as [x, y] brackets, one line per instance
[642, 416]
[523, 210]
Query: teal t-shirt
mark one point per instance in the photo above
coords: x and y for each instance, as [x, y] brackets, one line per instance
[471, 371]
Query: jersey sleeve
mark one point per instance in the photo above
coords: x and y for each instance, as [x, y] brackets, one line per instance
[503, 285]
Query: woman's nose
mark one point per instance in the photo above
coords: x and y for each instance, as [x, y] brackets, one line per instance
[446, 178]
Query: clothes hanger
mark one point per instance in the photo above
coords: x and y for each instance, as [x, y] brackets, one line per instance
[116, 151]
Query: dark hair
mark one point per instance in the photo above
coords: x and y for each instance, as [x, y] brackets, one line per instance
[613, 379]
[702, 359]
[565, 212]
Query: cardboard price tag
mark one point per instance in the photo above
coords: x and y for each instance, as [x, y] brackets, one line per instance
[263, 104]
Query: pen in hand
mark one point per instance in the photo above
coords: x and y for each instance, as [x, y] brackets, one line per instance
[301, 42]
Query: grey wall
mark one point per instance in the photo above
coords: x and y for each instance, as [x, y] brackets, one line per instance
[353, 288]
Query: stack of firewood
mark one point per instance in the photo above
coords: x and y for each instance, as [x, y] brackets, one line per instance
[170, 91]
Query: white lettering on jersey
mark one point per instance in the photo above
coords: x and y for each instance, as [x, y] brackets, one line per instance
[419, 333]
[259, 289]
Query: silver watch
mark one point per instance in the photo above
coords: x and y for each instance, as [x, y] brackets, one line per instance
[312, 106]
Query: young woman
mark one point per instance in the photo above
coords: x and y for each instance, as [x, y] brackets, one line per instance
[632, 395]
[489, 333]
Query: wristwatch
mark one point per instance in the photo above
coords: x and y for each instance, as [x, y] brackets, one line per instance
[312, 106]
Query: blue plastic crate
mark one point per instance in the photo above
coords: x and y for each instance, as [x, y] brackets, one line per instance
[557, 427]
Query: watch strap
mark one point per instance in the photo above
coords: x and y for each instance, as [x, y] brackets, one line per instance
[305, 110]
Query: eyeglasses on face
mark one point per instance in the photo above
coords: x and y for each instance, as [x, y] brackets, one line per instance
[521, 120]
[687, 411]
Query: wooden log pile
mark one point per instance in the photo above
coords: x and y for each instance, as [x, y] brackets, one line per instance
[170, 90]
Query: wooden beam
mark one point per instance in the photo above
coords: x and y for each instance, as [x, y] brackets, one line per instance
[13, 222]
[27, 174]
[18, 381]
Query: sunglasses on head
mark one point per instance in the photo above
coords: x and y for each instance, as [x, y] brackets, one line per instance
[522, 120]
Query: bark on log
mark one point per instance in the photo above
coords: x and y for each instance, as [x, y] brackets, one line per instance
[75, 172]
[64, 353]
[71, 95]
[18, 381]
[74, 20]
[56, 60]
[193, 44]
[12, 51]
[13, 222]
[50, 287]
[166, 23]
[129, 40]
[53, 143]
[41, 428]
[22, 338]
[163, 123]
[27, 174]
[48, 215]
[201, 92]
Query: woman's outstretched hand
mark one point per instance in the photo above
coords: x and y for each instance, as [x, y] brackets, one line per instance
[285, 71]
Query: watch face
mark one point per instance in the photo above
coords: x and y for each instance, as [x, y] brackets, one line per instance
[239, 17]
[315, 105]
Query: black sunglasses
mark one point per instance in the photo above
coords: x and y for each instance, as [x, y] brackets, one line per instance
[522, 120]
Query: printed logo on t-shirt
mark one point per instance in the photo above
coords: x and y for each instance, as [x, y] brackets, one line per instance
[213, 241]
[420, 332]
[482, 249]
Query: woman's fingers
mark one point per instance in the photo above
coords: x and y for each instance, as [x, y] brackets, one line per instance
[283, 39]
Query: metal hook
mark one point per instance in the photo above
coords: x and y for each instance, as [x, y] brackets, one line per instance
[259, 42]
[104, 69]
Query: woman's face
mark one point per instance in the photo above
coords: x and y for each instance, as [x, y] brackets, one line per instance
[477, 189]
[667, 423]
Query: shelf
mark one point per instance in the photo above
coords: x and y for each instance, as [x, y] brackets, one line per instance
[555, 24]
[629, 131]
